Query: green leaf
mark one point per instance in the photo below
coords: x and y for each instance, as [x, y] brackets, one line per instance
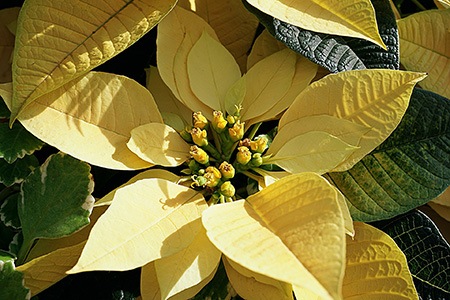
[4, 111]
[17, 171]
[427, 252]
[11, 280]
[338, 53]
[8, 211]
[56, 200]
[17, 142]
[407, 170]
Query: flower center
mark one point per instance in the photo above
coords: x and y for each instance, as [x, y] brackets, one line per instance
[220, 150]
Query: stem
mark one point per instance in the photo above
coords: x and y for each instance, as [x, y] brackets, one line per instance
[253, 131]
[216, 141]
[212, 150]
[419, 5]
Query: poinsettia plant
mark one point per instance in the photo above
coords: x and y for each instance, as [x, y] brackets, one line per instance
[265, 156]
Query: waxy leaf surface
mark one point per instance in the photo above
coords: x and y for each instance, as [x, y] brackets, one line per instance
[251, 285]
[108, 107]
[376, 99]
[372, 256]
[151, 219]
[424, 41]
[57, 41]
[355, 18]
[409, 169]
[159, 144]
[274, 233]
[187, 268]
[52, 204]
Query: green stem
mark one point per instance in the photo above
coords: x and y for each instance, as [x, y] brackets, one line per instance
[213, 151]
[419, 5]
[253, 131]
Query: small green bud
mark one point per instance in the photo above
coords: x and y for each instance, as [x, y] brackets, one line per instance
[227, 170]
[237, 131]
[243, 156]
[199, 120]
[198, 181]
[257, 160]
[199, 155]
[199, 137]
[227, 189]
[218, 123]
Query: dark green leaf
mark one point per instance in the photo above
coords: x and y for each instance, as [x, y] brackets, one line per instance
[11, 281]
[56, 200]
[6, 236]
[373, 56]
[427, 252]
[337, 53]
[16, 172]
[4, 111]
[8, 211]
[407, 170]
[16, 142]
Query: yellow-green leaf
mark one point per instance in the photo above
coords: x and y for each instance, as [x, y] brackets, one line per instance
[234, 24]
[274, 232]
[343, 129]
[314, 151]
[376, 267]
[212, 70]
[177, 34]
[251, 285]
[267, 82]
[60, 40]
[44, 271]
[7, 17]
[96, 127]
[164, 98]
[187, 268]
[305, 70]
[149, 283]
[376, 99]
[442, 4]
[265, 44]
[354, 18]
[424, 47]
[152, 173]
[150, 219]
[159, 144]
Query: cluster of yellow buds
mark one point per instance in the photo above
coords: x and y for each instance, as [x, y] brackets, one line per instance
[214, 144]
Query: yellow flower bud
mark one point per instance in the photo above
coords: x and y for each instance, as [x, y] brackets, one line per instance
[243, 156]
[231, 119]
[227, 189]
[227, 170]
[199, 120]
[237, 131]
[212, 176]
[199, 155]
[259, 144]
[218, 123]
[199, 136]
